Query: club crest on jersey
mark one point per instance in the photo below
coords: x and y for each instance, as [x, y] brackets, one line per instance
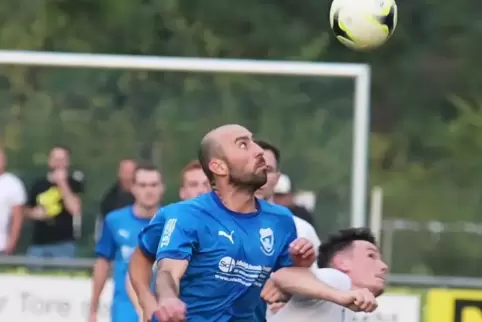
[266, 238]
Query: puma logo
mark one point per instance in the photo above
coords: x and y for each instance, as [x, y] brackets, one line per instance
[230, 236]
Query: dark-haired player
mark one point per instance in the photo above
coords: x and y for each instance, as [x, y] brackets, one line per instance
[272, 156]
[351, 264]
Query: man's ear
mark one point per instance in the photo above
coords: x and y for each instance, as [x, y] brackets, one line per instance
[218, 167]
[342, 263]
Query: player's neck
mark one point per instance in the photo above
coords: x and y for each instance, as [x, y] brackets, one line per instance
[237, 200]
[144, 212]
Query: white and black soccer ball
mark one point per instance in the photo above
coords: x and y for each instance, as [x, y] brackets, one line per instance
[363, 24]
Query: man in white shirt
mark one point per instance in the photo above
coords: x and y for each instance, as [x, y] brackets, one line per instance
[273, 184]
[12, 200]
[349, 260]
[303, 228]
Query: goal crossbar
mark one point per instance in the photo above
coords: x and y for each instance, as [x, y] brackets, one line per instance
[359, 72]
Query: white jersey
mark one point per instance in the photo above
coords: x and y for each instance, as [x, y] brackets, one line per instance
[12, 193]
[306, 230]
[314, 310]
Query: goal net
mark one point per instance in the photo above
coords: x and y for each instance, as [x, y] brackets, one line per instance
[108, 107]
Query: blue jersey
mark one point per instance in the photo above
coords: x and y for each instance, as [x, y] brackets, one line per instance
[260, 312]
[231, 255]
[150, 236]
[117, 242]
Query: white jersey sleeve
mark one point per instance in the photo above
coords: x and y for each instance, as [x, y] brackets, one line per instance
[310, 309]
[332, 277]
[306, 230]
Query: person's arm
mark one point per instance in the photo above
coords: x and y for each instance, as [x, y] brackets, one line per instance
[33, 210]
[133, 298]
[313, 237]
[140, 277]
[327, 285]
[17, 212]
[105, 251]
[285, 259]
[70, 189]
[168, 278]
[140, 265]
[271, 292]
[175, 250]
[302, 282]
[99, 277]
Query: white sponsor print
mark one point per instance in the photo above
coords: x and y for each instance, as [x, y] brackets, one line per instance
[238, 271]
[166, 234]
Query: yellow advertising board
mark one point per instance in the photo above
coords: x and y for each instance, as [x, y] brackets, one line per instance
[444, 305]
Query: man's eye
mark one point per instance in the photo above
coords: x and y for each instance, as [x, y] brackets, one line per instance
[243, 145]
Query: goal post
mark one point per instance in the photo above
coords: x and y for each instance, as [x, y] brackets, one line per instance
[360, 73]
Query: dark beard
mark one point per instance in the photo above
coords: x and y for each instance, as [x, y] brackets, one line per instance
[251, 184]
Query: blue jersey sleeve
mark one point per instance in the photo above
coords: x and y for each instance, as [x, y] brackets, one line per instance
[284, 260]
[106, 246]
[179, 236]
[150, 235]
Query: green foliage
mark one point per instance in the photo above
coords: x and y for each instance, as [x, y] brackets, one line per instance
[426, 111]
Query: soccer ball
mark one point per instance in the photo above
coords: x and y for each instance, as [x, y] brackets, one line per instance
[363, 24]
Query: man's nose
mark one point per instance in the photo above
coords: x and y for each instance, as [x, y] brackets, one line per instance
[258, 151]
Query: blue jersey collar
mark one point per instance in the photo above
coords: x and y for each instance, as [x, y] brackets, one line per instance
[218, 201]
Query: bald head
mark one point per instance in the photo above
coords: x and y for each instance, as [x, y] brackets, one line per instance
[229, 153]
[211, 146]
[126, 171]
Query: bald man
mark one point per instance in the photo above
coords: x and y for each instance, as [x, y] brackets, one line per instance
[217, 250]
[119, 195]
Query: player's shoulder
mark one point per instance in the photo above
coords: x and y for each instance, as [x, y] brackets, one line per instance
[334, 278]
[274, 209]
[191, 208]
[118, 215]
[276, 212]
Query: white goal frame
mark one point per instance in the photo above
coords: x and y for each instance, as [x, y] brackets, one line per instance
[359, 72]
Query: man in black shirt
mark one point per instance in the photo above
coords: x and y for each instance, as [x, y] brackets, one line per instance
[119, 194]
[52, 203]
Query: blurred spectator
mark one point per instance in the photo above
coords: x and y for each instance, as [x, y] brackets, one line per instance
[283, 195]
[53, 201]
[193, 181]
[119, 239]
[12, 200]
[119, 194]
